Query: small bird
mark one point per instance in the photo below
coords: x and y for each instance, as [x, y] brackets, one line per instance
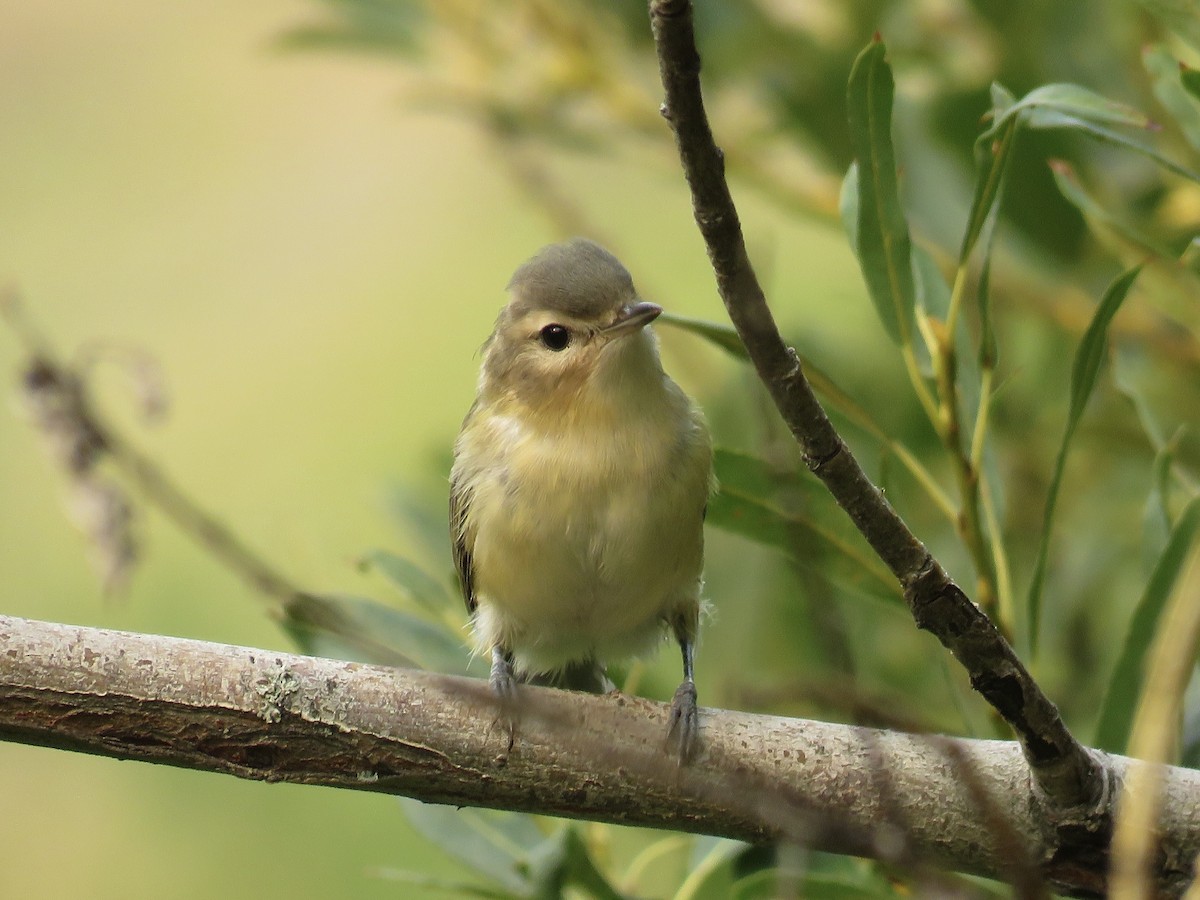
[580, 482]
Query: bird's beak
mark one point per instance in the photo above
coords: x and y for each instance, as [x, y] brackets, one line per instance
[631, 318]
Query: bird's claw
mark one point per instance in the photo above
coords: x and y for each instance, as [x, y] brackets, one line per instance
[504, 685]
[684, 728]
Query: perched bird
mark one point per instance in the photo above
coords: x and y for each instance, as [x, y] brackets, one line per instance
[580, 482]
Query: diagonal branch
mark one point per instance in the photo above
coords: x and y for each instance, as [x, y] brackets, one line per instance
[1073, 780]
[279, 717]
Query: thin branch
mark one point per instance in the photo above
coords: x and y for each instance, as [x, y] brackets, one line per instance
[275, 716]
[59, 397]
[1073, 779]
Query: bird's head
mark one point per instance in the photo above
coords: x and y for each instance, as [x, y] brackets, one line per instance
[574, 323]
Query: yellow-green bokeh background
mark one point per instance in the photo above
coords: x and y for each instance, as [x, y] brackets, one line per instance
[314, 264]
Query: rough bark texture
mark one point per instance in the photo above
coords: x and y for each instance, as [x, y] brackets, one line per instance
[272, 716]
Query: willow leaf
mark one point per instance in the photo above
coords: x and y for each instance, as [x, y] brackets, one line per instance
[882, 244]
[1125, 686]
[1083, 379]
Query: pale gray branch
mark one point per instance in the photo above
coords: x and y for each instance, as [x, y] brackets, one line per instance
[275, 716]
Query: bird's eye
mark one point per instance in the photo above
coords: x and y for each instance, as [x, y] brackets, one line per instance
[555, 337]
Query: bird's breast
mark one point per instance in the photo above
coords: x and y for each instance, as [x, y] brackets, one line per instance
[584, 537]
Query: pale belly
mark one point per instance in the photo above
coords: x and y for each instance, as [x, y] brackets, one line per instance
[586, 563]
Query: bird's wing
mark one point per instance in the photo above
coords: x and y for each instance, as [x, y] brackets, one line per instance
[463, 542]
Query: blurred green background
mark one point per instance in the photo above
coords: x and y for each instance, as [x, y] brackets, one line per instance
[313, 245]
[271, 229]
[314, 264]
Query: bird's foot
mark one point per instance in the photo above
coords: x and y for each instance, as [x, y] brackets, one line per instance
[504, 685]
[503, 682]
[683, 733]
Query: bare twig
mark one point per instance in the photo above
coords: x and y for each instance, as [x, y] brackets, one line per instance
[60, 400]
[274, 716]
[1073, 779]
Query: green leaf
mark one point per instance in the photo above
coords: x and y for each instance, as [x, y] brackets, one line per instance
[710, 868]
[654, 856]
[1050, 106]
[1095, 343]
[777, 509]
[993, 150]
[933, 294]
[424, 517]
[1127, 362]
[365, 631]
[1098, 217]
[724, 336]
[507, 848]
[1045, 119]
[576, 869]
[1190, 79]
[822, 880]
[989, 350]
[411, 580]
[708, 849]
[932, 298]
[882, 241]
[511, 850]
[1074, 103]
[1124, 688]
[1073, 107]
[1002, 101]
[1083, 379]
[848, 205]
[1156, 515]
[760, 885]
[1170, 87]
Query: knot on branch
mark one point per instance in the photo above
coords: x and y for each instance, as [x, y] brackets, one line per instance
[669, 9]
[1080, 839]
[923, 589]
[815, 463]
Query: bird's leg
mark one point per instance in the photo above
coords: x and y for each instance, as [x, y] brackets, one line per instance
[504, 685]
[684, 728]
[502, 680]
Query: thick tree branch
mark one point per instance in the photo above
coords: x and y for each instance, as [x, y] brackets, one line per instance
[278, 717]
[1073, 779]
